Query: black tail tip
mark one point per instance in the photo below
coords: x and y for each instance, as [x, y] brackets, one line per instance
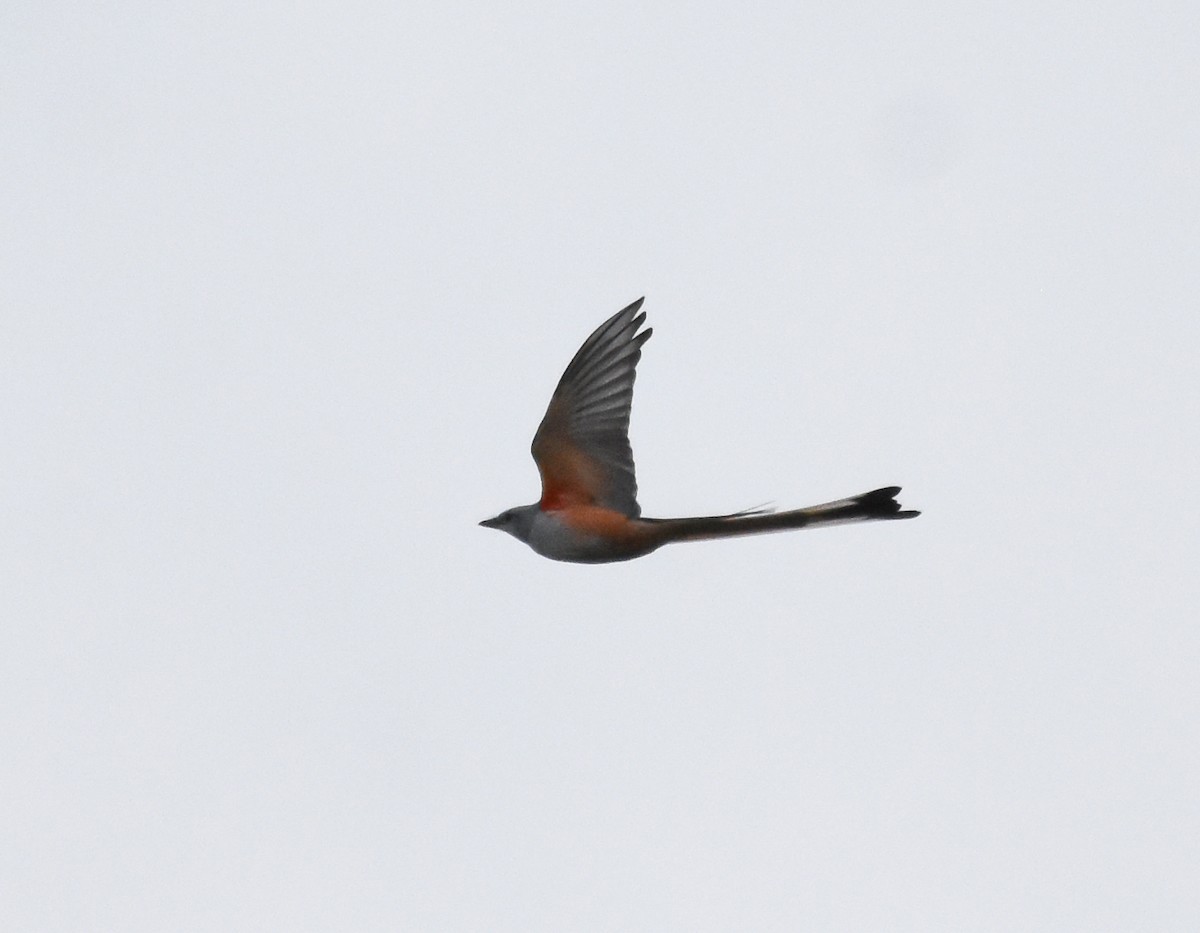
[881, 503]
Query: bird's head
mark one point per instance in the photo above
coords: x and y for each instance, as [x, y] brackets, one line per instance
[518, 521]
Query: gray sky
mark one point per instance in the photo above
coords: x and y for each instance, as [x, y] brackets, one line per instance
[286, 290]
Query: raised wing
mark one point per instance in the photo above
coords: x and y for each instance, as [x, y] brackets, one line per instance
[582, 446]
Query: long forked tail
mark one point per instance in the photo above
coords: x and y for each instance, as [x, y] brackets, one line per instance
[870, 506]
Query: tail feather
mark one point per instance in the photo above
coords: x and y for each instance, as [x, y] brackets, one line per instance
[875, 505]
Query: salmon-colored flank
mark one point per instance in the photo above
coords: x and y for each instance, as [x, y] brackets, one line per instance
[597, 520]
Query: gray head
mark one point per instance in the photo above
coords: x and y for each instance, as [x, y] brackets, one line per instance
[517, 521]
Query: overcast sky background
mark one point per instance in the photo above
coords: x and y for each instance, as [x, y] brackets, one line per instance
[285, 292]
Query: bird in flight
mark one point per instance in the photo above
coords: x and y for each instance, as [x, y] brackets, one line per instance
[588, 512]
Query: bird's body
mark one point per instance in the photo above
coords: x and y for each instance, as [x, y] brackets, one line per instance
[588, 512]
[588, 534]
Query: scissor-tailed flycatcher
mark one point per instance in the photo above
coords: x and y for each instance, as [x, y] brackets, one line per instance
[588, 512]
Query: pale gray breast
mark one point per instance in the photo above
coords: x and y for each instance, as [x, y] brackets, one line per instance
[551, 538]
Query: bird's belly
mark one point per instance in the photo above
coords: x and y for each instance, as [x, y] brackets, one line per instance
[554, 538]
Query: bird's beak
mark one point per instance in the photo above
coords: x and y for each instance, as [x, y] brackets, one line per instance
[490, 522]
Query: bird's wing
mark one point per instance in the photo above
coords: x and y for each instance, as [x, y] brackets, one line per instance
[582, 445]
